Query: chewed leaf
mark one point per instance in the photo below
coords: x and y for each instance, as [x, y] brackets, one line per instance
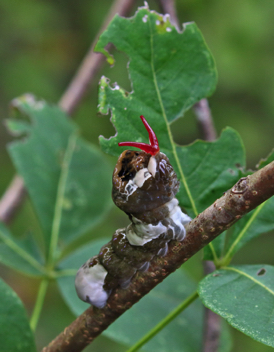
[244, 296]
[67, 179]
[170, 71]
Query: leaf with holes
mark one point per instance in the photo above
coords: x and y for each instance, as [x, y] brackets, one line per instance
[170, 71]
[244, 296]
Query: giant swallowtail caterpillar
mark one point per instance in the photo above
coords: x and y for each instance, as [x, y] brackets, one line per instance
[144, 187]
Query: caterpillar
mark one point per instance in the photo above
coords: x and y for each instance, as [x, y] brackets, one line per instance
[144, 187]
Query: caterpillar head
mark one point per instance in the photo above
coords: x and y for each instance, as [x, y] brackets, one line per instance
[145, 180]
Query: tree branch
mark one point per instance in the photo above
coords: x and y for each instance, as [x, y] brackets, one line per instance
[204, 118]
[243, 197]
[92, 62]
[12, 199]
[212, 321]
[14, 195]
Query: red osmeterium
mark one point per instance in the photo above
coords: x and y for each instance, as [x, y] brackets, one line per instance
[152, 148]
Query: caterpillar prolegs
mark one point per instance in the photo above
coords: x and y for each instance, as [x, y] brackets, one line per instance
[144, 187]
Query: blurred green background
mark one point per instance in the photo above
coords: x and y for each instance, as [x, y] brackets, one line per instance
[42, 44]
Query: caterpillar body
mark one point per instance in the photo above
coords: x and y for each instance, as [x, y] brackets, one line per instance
[144, 187]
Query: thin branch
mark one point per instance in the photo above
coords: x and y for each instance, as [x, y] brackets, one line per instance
[204, 118]
[15, 193]
[212, 321]
[244, 196]
[91, 63]
[12, 199]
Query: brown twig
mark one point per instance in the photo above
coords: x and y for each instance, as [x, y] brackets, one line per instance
[14, 195]
[12, 199]
[92, 62]
[212, 321]
[204, 118]
[243, 197]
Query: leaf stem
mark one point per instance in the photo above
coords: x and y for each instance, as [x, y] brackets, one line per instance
[22, 253]
[215, 258]
[227, 258]
[172, 315]
[59, 201]
[39, 303]
[66, 272]
[173, 145]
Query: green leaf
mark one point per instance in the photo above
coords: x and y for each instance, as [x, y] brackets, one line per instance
[267, 160]
[244, 296]
[184, 333]
[20, 255]
[15, 332]
[207, 169]
[67, 179]
[170, 71]
[257, 222]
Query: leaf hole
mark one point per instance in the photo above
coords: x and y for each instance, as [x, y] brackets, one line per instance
[261, 272]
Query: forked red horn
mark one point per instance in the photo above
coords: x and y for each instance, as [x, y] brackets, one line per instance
[152, 148]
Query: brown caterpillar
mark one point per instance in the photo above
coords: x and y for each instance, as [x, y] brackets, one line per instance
[144, 187]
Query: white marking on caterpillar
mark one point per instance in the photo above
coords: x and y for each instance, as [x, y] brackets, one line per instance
[89, 284]
[137, 182]
[163, 251]
[139, 233]
[141, 176]
[162, 165]
[152, 166]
